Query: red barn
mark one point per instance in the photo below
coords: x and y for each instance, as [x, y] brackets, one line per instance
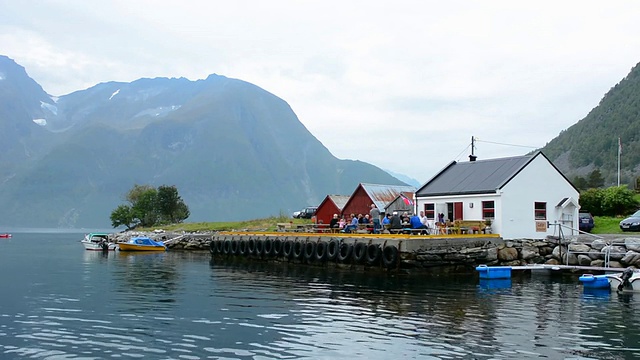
[367, 194]
[332, 204]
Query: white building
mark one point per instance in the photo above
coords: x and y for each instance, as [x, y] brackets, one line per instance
[523, 196]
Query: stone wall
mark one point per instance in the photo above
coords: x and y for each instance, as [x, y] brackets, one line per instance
[422, 253]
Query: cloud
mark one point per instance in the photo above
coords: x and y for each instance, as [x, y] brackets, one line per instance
[401, 85]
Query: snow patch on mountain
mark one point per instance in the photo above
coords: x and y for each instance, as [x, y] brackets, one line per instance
[114, 94]
[52, 108]
[41, 122]
[159, 111]
[2, 76]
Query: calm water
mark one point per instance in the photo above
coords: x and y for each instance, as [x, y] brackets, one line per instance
[59, 301]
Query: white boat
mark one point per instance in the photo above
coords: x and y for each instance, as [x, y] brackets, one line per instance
[628, 280]
[97, 242]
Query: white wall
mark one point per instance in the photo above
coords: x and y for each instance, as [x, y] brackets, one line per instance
[538, 182]
[468, 213]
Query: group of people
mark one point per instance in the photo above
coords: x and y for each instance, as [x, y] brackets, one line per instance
[389, 221]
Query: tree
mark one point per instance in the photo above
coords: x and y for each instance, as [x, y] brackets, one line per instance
[149, 206]
[580, 183]
[591, 201]
[123, 215]
[595, 179]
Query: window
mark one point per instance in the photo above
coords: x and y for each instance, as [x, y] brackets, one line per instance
[430, 211]
[540, 210]
[488, 210]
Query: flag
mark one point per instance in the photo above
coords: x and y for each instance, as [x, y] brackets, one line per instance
[406, 200]
[619, 146]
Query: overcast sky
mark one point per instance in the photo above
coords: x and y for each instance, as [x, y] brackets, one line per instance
[403, 85]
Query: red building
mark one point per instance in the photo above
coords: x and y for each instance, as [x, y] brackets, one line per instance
[367, 194]
[332, 204]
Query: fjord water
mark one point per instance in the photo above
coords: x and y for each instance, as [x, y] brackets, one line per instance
[59, 301]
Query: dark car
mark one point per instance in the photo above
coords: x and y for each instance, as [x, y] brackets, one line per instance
[308, 212]
[586, 221]
[632, 223]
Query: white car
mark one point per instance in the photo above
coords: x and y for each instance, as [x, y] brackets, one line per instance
[296, 214]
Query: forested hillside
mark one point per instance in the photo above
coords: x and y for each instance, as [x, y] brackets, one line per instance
[592, 143]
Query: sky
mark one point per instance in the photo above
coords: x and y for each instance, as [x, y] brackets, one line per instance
[403, 85]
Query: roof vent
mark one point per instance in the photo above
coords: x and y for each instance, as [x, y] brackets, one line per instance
[472, 157]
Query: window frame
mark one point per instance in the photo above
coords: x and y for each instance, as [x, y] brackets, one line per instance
[540, 210]
[489, 210]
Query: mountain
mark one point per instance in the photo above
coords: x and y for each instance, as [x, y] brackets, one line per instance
[233, 150]
[592, 143]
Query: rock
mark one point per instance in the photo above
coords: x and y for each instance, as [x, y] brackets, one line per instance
[546, 250]
[529, 252]
[595, 255]
[615, 264]
[552, 262]
[492, 254]
[558, 250]
[630, 258]
[579, 248]
[598, 263]
[632, 244]
[508, 254]
[569, 258]
[584, 260]
[512, 263]
[598, 244]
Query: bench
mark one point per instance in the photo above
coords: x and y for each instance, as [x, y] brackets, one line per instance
[470, 226]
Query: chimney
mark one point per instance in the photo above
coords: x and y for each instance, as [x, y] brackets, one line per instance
[472, 157]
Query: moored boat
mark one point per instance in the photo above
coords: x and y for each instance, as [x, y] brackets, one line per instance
[97, 242]
[628, 280]
[142, 243]
[5, 236]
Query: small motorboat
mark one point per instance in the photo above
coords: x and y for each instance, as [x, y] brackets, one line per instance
[5, 236]
[97, 242]
[628, 280]
[142, 243]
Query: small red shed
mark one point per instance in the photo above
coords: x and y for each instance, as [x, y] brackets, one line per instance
[332, 204]
[367, 194]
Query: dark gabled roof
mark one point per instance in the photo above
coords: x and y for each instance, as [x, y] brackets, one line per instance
[475, 177]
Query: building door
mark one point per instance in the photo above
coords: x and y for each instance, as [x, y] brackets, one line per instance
[454, 211]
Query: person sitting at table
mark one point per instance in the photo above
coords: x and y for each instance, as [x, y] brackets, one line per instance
[386, 221]
[334, 222]
[365, 219]
[353, 225]
[342, 223]
[416, 223]
[396, 223]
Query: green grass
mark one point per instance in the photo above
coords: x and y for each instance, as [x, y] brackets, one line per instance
[266, 224]
[606, 225]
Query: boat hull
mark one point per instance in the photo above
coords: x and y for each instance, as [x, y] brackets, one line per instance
[618, 284]
[93, 246]
[5, 236]
[136, 247]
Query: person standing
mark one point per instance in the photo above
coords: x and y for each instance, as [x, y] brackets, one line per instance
[374, 213]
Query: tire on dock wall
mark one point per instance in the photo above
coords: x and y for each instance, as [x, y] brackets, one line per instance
[310, 251]
[389, 256]
[234, 247]
[298, 250]
[287, 249]
[242, 248]
[373, 254]
[251, 246]
[226, 249]
[219, 246]
[268, 247]
[344, 252]
[277, 248]
[259, 248]
[359, 252]
[212, 247]
[321, 251]
[333, 247]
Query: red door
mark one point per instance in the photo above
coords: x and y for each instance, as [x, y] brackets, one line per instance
[457, 211]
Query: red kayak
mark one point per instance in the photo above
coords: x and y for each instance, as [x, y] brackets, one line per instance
[5, 235]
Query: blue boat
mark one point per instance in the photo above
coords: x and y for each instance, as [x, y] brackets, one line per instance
[142, 243]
